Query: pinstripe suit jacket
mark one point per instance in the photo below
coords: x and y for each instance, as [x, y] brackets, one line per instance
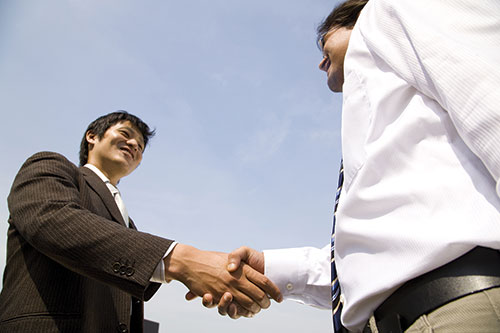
[72, 264]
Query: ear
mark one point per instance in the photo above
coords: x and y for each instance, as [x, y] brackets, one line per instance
[90, 137]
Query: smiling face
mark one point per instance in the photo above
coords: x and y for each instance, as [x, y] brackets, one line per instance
[334, 48]
[118, 152]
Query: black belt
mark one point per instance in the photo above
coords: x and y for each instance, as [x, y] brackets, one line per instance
[476, 270]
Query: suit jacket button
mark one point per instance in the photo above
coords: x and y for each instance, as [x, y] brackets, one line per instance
[122, 328]
[130, 271]
[123, 269]
[116, 267]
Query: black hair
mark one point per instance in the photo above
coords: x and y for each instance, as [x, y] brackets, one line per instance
[344, 15]
[100, 126]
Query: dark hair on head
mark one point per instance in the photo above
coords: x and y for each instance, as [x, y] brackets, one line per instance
[101, 125]
[344, 15]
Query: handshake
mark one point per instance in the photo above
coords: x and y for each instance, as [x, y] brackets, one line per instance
[233, 282]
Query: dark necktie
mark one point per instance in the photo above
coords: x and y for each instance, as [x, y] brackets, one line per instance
[336, 304]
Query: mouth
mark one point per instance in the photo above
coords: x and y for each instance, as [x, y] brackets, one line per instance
[128, 151]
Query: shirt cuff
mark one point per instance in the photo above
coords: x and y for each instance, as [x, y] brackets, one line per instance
[159, 273]
[302, 274]
[283, 268]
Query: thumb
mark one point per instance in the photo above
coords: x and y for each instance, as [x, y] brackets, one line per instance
[235, 258]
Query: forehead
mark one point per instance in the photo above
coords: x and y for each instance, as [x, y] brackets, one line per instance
[330, 35]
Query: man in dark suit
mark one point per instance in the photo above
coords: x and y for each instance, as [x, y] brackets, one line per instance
[76, 262]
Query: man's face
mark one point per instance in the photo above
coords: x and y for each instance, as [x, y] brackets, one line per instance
[118, 152]
[334, 48]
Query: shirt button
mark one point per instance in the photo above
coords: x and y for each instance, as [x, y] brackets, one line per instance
[289, 286]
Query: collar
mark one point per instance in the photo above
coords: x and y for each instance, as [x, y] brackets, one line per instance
[97, 172]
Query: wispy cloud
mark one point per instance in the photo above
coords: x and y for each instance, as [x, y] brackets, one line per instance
[264, 142]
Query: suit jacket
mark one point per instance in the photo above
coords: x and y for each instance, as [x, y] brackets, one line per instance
[72, 264]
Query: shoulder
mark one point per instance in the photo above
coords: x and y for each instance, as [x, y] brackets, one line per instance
[49, 158]
[48, 163]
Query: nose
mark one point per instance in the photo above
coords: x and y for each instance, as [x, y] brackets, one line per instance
[132, 143]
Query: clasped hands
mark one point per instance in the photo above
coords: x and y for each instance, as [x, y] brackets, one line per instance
[234, 282]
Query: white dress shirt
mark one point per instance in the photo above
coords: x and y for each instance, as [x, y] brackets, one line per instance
[421, 148]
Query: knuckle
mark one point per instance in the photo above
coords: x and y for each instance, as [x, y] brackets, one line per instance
[261, 298]
[266, 281]
[248, 304]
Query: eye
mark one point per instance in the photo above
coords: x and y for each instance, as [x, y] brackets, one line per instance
[125, 133]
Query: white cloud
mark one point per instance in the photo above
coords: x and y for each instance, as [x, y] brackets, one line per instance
[265, 142]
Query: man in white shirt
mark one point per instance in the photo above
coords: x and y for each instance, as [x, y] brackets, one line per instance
[421, 154]
[75, 260]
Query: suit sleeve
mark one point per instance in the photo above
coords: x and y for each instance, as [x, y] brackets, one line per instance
[449, 51]
[46, 208]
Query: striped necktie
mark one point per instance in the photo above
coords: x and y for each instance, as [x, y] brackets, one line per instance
[336, 304]
[119, 202]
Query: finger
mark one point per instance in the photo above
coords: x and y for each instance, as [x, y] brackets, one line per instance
[208, 301]
[246, 286]
[235, 311]
[264, 283]
[236, 257]
[246, 294]
[232, 311]
[224, 303]
[190, 296]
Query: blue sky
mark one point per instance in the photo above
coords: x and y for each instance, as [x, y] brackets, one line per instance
[248, 134]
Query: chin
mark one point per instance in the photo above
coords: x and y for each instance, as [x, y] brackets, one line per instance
[334, 88]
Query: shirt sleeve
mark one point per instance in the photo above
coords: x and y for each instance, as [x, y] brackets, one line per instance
[159, 273]
[302, 274]
[449, 51]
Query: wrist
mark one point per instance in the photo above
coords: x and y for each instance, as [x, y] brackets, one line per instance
[175, 262]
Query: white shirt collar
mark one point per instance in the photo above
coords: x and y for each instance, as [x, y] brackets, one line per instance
[97, 172]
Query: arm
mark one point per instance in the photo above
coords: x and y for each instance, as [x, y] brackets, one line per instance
[48, 206]
[447, 50]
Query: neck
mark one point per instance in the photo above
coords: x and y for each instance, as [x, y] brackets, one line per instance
[113, 176]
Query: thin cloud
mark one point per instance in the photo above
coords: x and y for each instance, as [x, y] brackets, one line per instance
[265, 143]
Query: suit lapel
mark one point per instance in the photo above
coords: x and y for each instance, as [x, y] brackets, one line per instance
[102, 190]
